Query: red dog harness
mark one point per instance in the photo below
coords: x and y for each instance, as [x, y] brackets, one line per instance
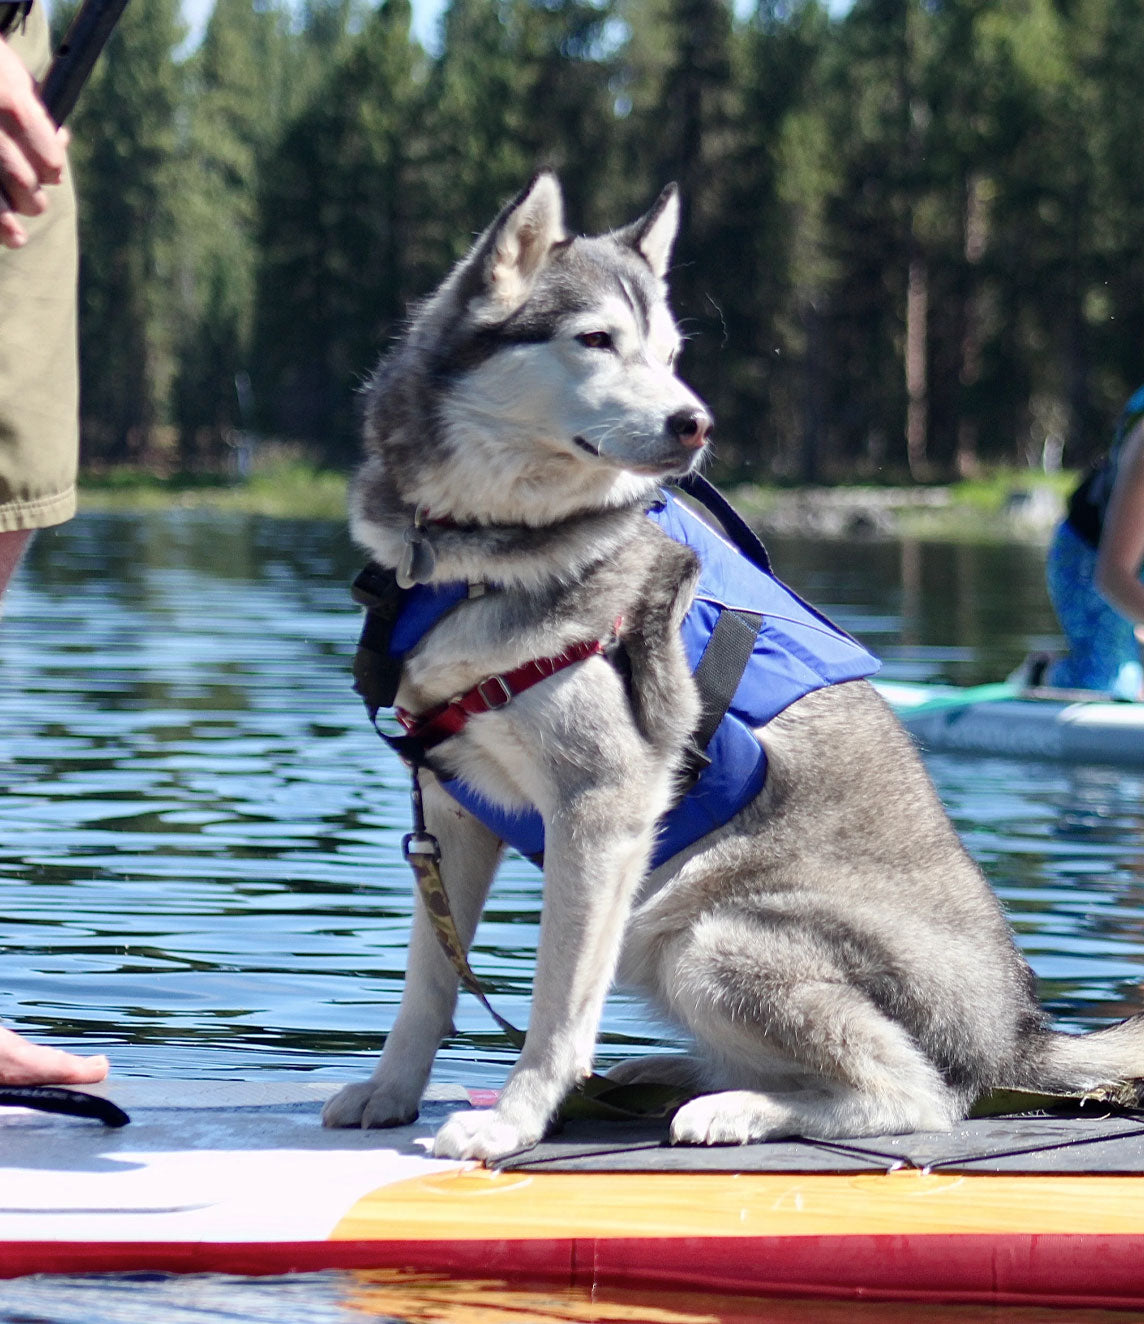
[446, 719]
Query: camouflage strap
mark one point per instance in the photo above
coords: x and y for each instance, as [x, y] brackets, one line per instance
[1118, 1097]
[423, 851]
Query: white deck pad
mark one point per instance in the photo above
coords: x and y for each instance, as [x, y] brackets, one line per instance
[214, 1160]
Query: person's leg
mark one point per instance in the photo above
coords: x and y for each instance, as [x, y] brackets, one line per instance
[25, 1063]
[39, 389]
[38, 449]
[12, 544]
[22, 1062]
[1101, 641]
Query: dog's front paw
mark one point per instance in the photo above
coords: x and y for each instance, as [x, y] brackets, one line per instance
[482, 1134]
[368, 1105]
[734, 1117]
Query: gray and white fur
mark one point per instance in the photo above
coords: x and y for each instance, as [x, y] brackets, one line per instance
[834, 959]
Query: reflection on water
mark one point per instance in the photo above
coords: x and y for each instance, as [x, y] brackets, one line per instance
[395, 1298]
[1065, 849]
[200, 869]
[961, 612]
[199, 844]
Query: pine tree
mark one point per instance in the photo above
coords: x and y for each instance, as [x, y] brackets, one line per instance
[127, 152]
[771, 232]
[688, 125]
[475, 154]
[338, 207]
[241, 85]
[1114, 301]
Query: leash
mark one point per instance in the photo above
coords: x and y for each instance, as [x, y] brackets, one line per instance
[377, 675]
[422, 851]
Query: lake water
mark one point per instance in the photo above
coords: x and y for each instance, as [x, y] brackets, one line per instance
[200, 843]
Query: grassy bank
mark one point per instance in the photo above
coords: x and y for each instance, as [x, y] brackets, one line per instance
[1002, 504]
[998, 506]
[285, 490]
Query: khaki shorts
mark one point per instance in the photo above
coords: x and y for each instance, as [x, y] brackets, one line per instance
[39, 379]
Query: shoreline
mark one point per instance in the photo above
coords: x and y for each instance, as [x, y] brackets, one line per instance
[1011, 505]
[1009, 509]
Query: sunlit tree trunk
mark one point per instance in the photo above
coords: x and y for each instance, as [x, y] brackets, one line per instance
[917, 377]
[975, 237]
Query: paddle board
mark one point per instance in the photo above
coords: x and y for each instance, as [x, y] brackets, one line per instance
[1010, 722]
[239, 1177]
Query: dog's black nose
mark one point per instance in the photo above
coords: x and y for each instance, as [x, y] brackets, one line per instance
[690, 426]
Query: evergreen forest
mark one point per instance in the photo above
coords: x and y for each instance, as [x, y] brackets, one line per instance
[911, 241]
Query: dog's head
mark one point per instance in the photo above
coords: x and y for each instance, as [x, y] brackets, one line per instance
[544, 371]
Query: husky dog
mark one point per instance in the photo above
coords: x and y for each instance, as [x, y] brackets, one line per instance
[835, 959]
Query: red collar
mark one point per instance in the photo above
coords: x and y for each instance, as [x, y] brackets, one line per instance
[446, 719]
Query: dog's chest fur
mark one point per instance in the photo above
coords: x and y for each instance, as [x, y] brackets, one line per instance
[539, 597]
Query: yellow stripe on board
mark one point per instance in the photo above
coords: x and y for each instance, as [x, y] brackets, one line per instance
[478, 1205]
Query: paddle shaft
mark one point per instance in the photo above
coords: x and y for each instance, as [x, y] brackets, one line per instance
[991, 693]
[77, 54]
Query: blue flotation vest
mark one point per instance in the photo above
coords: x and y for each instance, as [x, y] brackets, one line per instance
[797, 650]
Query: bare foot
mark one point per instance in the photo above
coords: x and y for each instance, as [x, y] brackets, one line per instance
[24, 1063]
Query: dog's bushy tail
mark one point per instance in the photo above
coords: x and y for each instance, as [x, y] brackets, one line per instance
[1073, 1063]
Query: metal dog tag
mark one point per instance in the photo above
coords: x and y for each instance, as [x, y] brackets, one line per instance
[418, 561]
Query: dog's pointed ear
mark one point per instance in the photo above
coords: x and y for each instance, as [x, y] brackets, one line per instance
[653, 235]
[513, 249]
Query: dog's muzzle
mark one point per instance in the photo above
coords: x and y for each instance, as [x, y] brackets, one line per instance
[690, 427]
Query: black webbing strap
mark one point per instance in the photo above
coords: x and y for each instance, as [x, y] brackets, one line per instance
[376, 673]
[737, 529]
[721, 667]
[733, 639]
[69, 1103]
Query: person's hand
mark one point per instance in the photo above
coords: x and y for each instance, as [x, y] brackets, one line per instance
[32, 149]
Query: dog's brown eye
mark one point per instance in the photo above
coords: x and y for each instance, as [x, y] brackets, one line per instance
[595, 340]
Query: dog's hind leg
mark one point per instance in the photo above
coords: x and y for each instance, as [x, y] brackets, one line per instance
[392, 1095]
[685, 1071]
[797, 1046]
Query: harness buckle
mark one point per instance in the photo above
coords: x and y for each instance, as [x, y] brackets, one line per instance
[499, 700]
[420, 845]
